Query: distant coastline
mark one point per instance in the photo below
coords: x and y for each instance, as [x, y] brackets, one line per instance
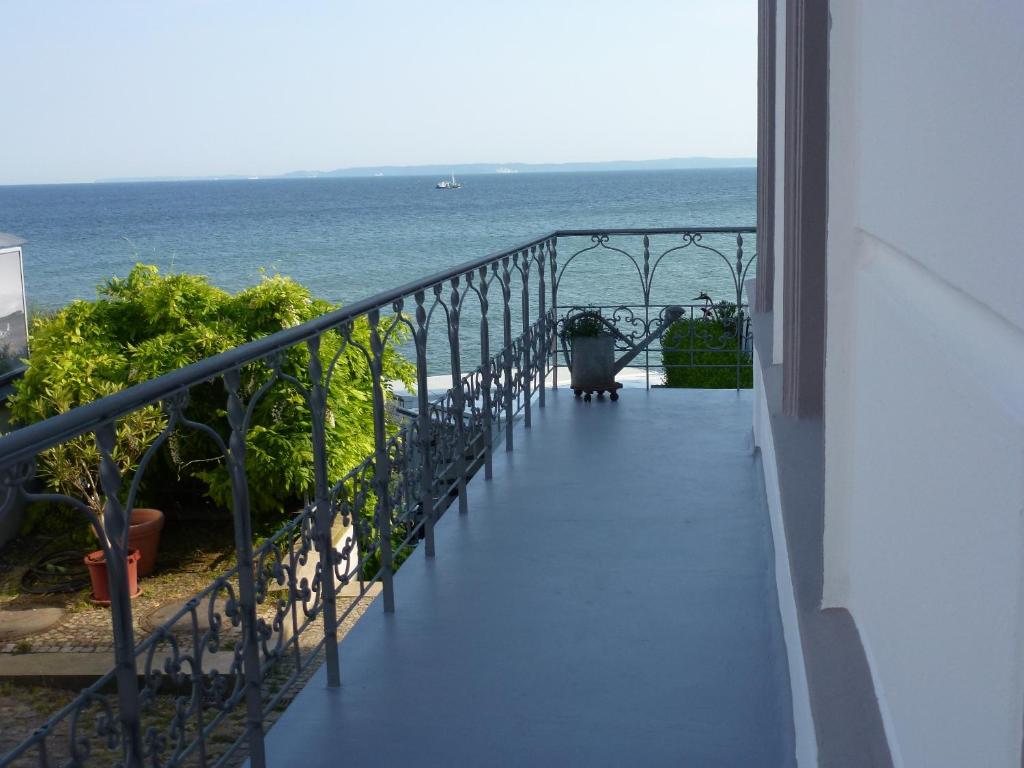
[469, 169]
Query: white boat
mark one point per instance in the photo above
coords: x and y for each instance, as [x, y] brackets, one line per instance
[445, 184]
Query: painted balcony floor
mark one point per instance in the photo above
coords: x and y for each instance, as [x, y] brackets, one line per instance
[608, 600]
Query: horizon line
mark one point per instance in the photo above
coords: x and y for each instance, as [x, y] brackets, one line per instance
[691, 162]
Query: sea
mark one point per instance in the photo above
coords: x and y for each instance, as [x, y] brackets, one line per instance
[349, 238]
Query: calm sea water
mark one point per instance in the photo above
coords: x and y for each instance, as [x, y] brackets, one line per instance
[345, 238]
[350, 238]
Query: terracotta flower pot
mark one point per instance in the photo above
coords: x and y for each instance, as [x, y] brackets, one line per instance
[144, 535]
[96, 562]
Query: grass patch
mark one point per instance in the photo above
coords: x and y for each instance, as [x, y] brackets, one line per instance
[700, 353]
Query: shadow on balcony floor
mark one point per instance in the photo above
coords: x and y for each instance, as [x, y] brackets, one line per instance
[608, 600]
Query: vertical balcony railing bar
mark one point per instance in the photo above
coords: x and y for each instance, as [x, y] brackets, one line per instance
[201, 687]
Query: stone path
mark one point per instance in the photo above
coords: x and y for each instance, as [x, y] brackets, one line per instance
[87, 630]
[27, 622]
[87, 627]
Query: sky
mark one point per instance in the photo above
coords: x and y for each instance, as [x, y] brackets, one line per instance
[106, 88]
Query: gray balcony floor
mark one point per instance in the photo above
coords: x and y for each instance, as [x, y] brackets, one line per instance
[608, 600]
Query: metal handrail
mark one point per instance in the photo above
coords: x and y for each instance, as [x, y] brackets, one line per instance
[655, 231]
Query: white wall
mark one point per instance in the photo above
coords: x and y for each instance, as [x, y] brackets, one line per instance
[924, 419]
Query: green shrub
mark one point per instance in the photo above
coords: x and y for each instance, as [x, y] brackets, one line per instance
[148, 324]
[701, 353]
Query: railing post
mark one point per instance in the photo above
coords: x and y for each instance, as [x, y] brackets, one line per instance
[323, 511]
[739, 308]
[554, 311]
[246, 575]
[647, 308]
[115, 524]
[506, 293]
[381, 466]
[526, 367]
[458, 394]
[486, 376]
[425, 425]
[542, 342]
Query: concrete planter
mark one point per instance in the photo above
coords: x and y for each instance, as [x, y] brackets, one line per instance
[593, 363]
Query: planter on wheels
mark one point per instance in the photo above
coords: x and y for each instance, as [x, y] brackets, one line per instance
[96, 562]
[592, 366]
[144, 535]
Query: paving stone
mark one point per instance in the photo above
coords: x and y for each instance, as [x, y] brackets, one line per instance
[26, 622]
[184, 624]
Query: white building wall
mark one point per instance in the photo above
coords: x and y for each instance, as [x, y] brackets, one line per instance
[924, 420]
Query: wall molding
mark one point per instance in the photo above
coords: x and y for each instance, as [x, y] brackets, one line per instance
[766, 74]
[805, 207]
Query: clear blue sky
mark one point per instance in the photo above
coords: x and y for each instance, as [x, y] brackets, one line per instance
[104, 88]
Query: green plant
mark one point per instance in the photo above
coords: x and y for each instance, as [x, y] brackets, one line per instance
[148, 324]
[22, 646]
[74, 370]
[586, 324]
[704, 352]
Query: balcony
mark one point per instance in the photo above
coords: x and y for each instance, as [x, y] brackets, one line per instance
[608, 599]
[583, 582]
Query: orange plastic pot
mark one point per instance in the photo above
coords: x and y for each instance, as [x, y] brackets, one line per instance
[144, 535]
[96, 562]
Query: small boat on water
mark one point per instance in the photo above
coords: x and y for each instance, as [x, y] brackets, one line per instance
[445, 184]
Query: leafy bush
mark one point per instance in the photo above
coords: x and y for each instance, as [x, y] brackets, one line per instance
[700, 353]
[148, 324]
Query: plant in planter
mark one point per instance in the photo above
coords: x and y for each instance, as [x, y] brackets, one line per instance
[708, 352]
[591, 354]
[71, 469]
[72, 365]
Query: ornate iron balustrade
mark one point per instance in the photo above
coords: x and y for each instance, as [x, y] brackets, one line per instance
[693, 264]
[199, 689]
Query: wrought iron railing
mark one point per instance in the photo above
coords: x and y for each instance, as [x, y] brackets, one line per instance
[200, 688]
[652, 271]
